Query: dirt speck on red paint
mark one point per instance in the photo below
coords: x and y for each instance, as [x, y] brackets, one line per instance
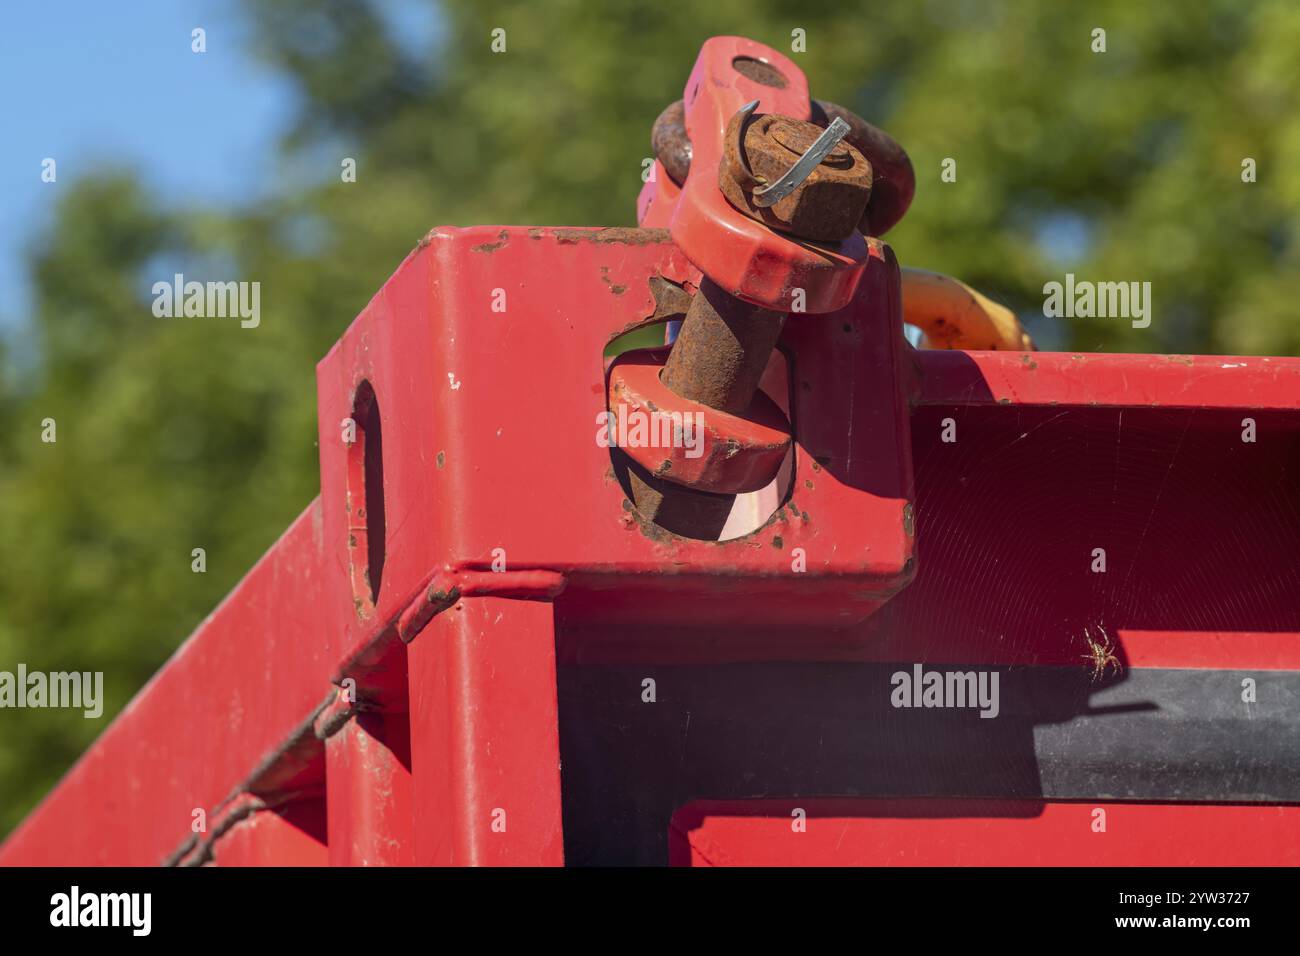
[613, 287]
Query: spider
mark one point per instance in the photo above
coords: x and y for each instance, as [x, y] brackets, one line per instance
[1101, 654]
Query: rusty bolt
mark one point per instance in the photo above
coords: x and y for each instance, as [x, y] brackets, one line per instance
[676, 508]
[718, 359]
[722, 349]
[724, 344]
[671, 144]
[825, 207]
[893, 181]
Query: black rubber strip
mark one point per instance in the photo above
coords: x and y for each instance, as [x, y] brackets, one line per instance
[775, 730]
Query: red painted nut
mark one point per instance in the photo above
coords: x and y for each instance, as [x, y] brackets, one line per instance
[686, 442]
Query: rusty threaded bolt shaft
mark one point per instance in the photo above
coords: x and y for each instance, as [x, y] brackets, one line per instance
[722, 349]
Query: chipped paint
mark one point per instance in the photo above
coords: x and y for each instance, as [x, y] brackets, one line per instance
[503, 237]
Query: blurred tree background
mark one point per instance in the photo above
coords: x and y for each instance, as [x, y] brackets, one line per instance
[1123, 165]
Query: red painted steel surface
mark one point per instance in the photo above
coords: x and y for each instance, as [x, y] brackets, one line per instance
[369, 791]
[485, 737]
[1251, 383]
[472, 421]
[232, 696]
[981, 833]
[486, 448]
[292, 836]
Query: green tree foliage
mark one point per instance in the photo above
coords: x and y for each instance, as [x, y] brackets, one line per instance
[177, 434]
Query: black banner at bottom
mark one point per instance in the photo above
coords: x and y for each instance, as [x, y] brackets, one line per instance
[335, 906]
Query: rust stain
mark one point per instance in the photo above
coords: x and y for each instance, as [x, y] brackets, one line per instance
[490, 247]
[648, 528]
[615, 234]
[672, 300]
[825, 207]
[631, 237]
[441, 460]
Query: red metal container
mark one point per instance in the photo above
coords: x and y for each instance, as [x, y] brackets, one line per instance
[471, 649]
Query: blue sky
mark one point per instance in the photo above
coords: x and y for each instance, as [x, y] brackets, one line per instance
[91, 82]
[96, 82]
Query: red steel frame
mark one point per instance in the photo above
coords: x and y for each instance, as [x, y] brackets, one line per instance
[509, 549]
[483, 451]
